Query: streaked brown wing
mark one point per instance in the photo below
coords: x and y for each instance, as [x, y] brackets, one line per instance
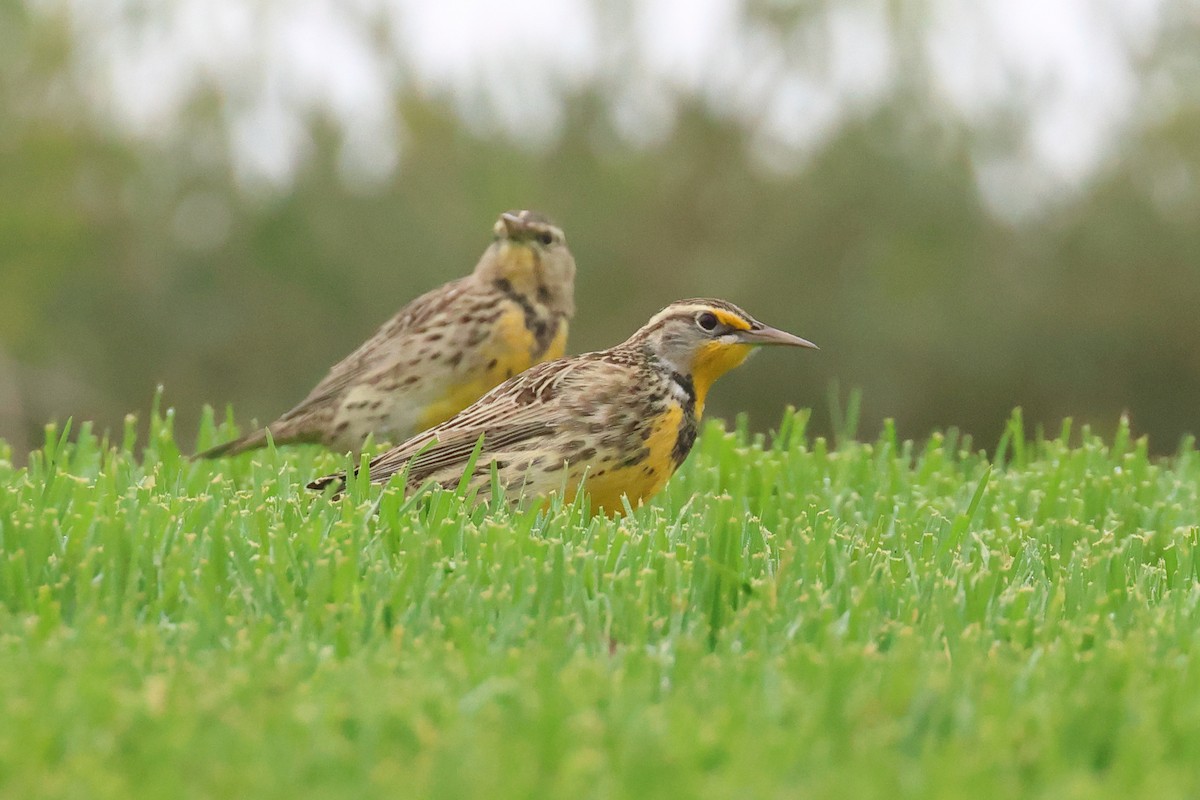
[453, 451]
[352, 369]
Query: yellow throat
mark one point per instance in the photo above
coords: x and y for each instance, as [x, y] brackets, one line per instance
[712, 361]
[520, 268]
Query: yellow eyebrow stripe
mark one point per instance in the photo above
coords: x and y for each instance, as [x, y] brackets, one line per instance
[731, 320]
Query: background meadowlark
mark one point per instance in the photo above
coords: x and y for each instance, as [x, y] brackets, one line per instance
[444, 349]
[626, 417]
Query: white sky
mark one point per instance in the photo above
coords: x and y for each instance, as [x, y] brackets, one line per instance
[507, 66]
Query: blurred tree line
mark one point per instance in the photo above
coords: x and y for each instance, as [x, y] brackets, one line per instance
[126, 263]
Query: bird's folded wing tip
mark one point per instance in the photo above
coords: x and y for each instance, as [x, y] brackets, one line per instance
[322, 483]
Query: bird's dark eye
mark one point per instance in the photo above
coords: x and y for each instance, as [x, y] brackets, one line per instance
[546, 239]
[707, 320]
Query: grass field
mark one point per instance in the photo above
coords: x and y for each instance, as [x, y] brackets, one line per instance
[789, 619]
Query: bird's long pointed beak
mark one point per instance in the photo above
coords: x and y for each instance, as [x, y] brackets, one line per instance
[768, 335]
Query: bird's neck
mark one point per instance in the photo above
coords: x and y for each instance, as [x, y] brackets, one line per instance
[516, 271]
[691, 382]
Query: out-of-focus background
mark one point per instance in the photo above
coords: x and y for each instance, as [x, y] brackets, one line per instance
[969, 204]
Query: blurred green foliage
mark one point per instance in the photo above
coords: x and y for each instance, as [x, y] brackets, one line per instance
[127, 264]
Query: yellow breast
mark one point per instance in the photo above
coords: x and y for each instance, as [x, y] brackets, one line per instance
[507, 352]
[639, 482]
[558, 345]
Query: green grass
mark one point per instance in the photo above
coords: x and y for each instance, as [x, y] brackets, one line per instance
[788, 619]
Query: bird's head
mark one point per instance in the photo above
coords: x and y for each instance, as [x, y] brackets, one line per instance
[703, 339]
[529, 253]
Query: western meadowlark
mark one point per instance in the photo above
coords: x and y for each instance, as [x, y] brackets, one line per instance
[625, 417]
[445, 349]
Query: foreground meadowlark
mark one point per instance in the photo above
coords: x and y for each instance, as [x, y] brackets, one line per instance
[625, 417]
[445, 349]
